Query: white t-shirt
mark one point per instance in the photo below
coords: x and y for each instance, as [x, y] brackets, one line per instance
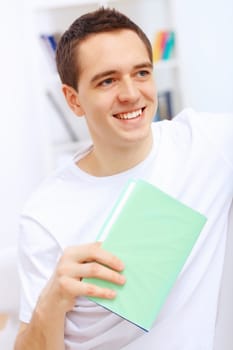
[192, 160]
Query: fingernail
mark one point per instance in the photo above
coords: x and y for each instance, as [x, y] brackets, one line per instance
[111, 294]
[122, 279]
[121, 266]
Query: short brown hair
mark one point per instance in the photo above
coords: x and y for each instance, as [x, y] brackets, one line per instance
[99, 21]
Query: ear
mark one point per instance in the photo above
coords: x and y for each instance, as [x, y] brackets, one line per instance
[71, 96]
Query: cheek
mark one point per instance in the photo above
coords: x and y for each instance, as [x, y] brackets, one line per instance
[151, 94]
[90, 105]
[149, 90]
[101, 105]
[96, 110]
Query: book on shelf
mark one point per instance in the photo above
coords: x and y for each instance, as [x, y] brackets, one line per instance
[169, 45]
[153, 233]
[75, 127]
[165, 106]
[163, 46]
[61, 114]
[49, 44]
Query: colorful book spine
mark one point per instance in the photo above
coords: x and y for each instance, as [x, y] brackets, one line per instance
[157, 46]
[169, 45]
[163, 46]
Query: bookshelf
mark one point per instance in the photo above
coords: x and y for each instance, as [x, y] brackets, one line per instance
[53, 17]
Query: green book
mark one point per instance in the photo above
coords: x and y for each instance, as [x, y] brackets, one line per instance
[153, 234]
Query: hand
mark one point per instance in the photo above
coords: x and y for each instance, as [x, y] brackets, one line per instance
[88, 260]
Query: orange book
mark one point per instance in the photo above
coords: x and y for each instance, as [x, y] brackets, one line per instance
[159, 45]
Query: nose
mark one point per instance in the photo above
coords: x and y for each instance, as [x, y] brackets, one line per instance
[128, 91]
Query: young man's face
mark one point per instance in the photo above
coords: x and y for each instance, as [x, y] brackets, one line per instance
[116, 89]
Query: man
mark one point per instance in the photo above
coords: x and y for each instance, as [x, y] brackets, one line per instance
[105, 64]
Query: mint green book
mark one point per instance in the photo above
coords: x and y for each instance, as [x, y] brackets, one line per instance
[153, 234]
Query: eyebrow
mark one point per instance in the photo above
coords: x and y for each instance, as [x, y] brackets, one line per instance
[106, 73]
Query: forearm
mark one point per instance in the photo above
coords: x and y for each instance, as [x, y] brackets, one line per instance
[45, 330]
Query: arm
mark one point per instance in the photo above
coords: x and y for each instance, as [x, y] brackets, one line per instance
[46, 328]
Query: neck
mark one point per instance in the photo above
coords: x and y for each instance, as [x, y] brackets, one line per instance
[104, 161]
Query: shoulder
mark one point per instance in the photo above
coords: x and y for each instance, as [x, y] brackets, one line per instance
[213, 131]
[212, 124]
[47, 192]
[202, 119]
[55, 203]
[57, 188]
[180, 132]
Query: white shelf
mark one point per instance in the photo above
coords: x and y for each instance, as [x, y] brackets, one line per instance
[59, 4]
[166, 64]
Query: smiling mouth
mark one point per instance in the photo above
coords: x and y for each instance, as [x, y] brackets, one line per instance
[129, 115]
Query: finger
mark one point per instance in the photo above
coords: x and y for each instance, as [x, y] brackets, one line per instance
[77, 288]
[94, 252]
[96, 270]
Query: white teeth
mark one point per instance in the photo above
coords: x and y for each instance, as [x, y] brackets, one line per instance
[130, 115]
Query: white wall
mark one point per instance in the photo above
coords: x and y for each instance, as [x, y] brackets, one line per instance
[205, 29]
[21, 147]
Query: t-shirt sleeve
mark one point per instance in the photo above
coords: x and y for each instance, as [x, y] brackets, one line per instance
[38, 253]
[219, 130]
[216, 128]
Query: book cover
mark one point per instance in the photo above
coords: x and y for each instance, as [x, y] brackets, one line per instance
[153, 234]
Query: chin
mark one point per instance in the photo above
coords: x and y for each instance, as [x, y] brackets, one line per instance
[140, 136]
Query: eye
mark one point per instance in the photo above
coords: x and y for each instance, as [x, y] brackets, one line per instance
[143, 73]
[106, 82]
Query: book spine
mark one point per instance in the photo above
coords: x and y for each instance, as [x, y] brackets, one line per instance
[168, 48]
[116, 210]
[165, 108]
[163, 45]
[157, 46]
[62, 116]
